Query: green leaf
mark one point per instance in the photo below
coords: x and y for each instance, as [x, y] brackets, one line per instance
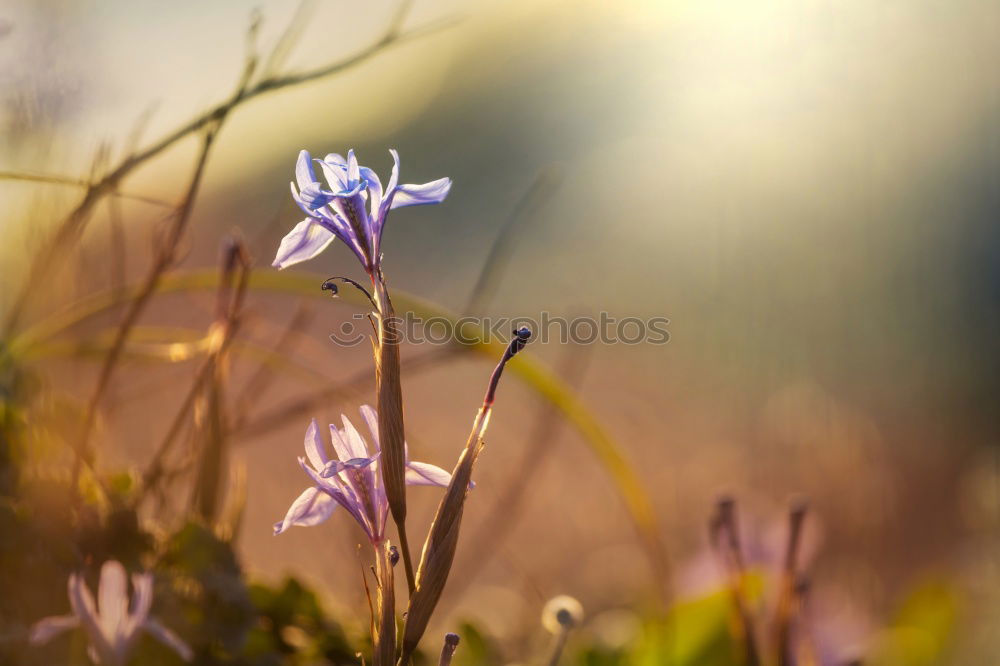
[923, 627]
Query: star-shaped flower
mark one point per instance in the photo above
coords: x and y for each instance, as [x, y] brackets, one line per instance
[352, 206]
[353, 480]
[111, 627]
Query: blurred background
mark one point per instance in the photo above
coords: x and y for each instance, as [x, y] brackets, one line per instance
[807, 190]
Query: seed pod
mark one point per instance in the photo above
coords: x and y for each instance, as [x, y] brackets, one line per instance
[439, 549]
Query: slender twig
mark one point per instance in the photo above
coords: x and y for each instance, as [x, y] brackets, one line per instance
[787, 595]
[558, 645]
[228, 310]
[73, 224]
[75, 182]
[163, 258]
[165, 254]
[289, 38]
[448, 649]
[724, 533]
[504, 243]
[280, 415]
[502, 516]
[155, 471]
[257, 384]
[229, 305]
[117, 243]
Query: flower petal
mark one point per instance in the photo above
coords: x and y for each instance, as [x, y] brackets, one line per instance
[304, 173]
[314, 196]
[374, 188]
[353, 170]
[380, 212]
[314, 446]
[394, 176]
[312, 507]
[81, 600]
[335, 172]
[347, 442]
[340, 445]
[356, 445]
[363, 480]
[418, 195]
[336, 158]
[112, 598]
[142, 598]
[302, 243]
[370, 416]
[43, 630]
[168, 638]
[342, 493]
[425, 474]
[85, 610]
[335, 467]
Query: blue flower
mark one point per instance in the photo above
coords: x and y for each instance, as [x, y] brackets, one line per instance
[352, 206]
[353, 481]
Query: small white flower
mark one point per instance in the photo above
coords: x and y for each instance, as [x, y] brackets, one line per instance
[111, 627]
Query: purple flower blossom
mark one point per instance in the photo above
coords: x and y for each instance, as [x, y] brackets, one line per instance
[353, 480]
[353, 209]
[111, 627]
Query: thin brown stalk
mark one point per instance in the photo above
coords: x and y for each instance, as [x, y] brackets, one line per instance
[448, 649]
[156, 469]
[438, 553]
[257, 384]
[229, 303]
[725, 537]
[368, 594]
[289, 38]
[787, 595]
[163, 257]
[384, 638]
[503, 245]
[228, 309]
[807, 655]
[116, 242]
[278, 416]
[558, 645]
[76, 182]
[503, 515]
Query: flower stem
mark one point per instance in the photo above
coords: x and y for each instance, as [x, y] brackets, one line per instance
[384, 638]
[390, 416]
[558, 645]
[448, 649]
[407, 562]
